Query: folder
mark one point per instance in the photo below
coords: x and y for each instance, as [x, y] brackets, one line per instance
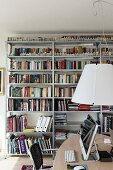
[38, 126]
[46, 124]
[42, 123]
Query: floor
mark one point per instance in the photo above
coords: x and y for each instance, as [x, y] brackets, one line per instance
[15, 163]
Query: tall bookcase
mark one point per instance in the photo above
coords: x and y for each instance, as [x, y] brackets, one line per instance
[42, 75]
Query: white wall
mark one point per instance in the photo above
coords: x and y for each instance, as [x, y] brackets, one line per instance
[2, 98]
[3, 39]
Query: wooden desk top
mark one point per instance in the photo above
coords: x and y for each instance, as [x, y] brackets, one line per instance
[73, 143]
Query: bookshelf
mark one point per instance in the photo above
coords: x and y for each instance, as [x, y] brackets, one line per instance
[30, 96]
[42, 75]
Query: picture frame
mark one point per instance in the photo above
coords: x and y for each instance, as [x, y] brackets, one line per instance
[2, 81]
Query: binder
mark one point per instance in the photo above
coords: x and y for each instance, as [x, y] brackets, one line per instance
[38, 126]
[44, 118]
[45, 127]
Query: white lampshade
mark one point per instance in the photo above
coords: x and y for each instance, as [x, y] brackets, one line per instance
[95, 85]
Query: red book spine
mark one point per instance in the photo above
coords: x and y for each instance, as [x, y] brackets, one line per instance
[11, 124]
[63, 64]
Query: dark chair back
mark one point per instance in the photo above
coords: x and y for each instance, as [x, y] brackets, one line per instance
[36, 155]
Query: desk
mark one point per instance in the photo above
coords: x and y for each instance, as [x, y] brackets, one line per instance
[73, 143]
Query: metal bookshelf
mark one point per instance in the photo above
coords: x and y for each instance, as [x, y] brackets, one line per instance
[69, 51]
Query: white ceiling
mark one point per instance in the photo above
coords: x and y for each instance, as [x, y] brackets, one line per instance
[20, 16]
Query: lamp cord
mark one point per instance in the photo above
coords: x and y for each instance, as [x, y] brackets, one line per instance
[100, 2]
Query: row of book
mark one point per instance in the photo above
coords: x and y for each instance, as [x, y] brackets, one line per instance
[29, 104]
[30, 65]
[21, 144]
[68, 64]
[31, 91]
[61, 119]
[23, 51]
[61, 104]
[107, 123]
[59, 51]
[30, 78]
[17, 123]
[105, 51]
[78, 37]
[44, 124]
[80, 50]
[67, 78]
[44, 78]
[67, 105]
[84, 51]
[64, 91]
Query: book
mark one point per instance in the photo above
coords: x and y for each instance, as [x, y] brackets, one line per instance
[22, 144]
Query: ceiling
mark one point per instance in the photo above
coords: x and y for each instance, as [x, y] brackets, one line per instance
[30, 16]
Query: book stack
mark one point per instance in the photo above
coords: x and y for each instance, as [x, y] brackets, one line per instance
[95, 108]
[72, 106]
[84, 107]
[60, 135]
[44, 124]
[61, 119]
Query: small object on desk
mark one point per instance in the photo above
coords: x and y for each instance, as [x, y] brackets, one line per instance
[79, 167]
[70, 156]
[75, 166]
[107, 141]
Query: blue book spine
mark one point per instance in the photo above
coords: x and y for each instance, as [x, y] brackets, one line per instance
[22, 146]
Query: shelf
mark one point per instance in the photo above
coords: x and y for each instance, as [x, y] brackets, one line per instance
[30, 84]
[77, 41]
[30, 98]
[30, 71]
[77, 111]
[11, 154]
[77, 57]
[60, 139]
[31, 57]
[107, 112]
[30, 42]
[70, 124]
[65, 84]
[25, 112]
[68, 70]
[31, 133]
[62, 97]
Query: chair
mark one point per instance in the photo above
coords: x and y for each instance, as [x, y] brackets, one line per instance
[36, 155]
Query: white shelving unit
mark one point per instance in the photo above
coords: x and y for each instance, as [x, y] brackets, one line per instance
[66, 58]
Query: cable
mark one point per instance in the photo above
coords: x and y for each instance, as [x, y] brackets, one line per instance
[100, 2]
